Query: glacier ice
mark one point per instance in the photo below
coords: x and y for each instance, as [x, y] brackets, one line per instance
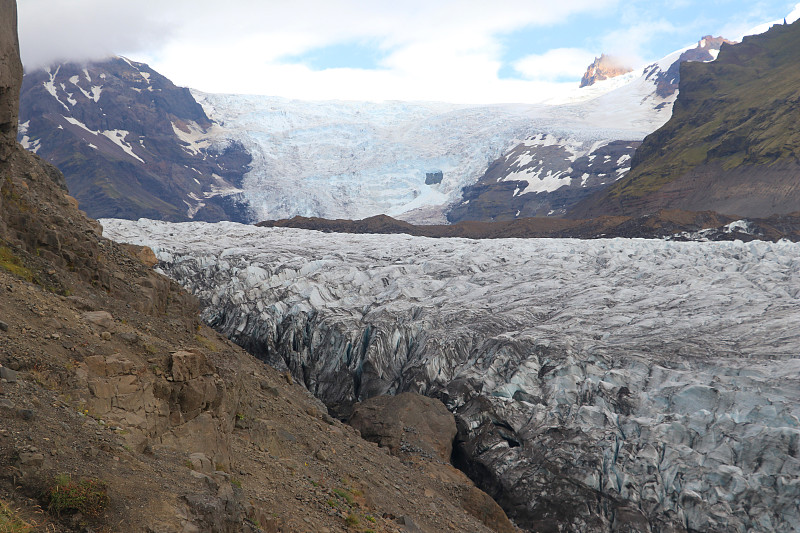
[598, 385]
[341, 159]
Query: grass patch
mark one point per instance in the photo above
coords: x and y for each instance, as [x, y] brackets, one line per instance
[10, 522]
[208, 344]
[344, 495]
[13, 264]
[87, 496]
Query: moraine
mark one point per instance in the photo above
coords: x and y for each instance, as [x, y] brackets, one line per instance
[598, 385]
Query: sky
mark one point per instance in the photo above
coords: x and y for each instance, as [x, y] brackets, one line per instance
[460, 51]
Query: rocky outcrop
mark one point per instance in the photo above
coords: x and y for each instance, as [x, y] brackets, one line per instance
[420, 430]
[406, 422]
[603, 68]
[596, 385]
[10, 77]
[665, 224]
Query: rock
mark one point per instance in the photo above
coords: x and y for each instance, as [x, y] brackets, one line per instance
[408, 423]
[3, 326]
[603, 68]
[130, 338]
[185, 366]
[5, 403]
[484, 508]
[10, 77]
[101, 319]
[323, 456]
[201, 463]
[31, 460]
[27, 414]
[142, 253]
[409, 526]
[106, 335]
[8, 374]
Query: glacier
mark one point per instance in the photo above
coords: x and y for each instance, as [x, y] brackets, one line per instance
[347, 159]
[602, 385]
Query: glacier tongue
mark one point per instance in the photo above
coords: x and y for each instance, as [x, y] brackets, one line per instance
[606, 385]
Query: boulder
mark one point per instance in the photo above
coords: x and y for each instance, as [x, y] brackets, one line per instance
[144, 254]
[407, 423]
[101, 319]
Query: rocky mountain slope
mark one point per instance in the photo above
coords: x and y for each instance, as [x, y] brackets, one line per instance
[130, 143]
[548, 175]
[732, 143]
[122, 412]
[602, 385]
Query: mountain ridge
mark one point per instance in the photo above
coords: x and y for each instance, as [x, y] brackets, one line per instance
[550, 174]
[731, 144]
[130, 142]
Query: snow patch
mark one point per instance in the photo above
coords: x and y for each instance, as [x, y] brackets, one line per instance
[30, 145]
[196, 139]
[50, 86]
[115, 136]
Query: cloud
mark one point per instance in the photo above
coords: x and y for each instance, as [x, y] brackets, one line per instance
[448, 46]
[448, 49]
[51, 31]
[555, 64]
[631, 45]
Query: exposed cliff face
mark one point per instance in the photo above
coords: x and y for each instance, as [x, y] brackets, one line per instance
[598, 386]
[603, 68]
[732, 143]
[10, 77]
[707, 49]
[130, 143]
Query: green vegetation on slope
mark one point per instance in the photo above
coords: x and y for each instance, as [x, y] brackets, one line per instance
[742, 109]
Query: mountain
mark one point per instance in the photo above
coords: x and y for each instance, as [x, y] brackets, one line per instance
[131, 143]
[121, 411]
[598, 385]
[547, 175]
[732, 144]
[543, 176]
[603, 68]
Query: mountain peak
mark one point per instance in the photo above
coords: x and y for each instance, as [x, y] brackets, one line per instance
[603, 68]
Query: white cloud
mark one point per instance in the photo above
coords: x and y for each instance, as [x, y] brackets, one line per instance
[555, 64]
[631, 44]
[433, 50]
[51, 31]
